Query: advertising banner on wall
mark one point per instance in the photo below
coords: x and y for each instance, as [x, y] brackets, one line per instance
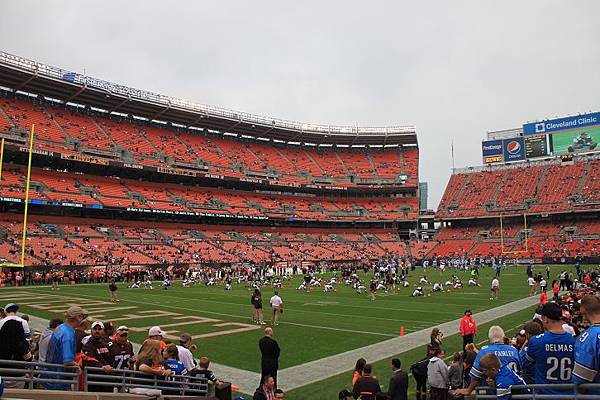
[513, 149]
[576, 140]
[536, 146]
[561, 124]
[492, 151]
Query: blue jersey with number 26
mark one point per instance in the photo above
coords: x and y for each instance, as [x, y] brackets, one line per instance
[552, 354]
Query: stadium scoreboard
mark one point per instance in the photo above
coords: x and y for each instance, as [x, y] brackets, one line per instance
[536, 146]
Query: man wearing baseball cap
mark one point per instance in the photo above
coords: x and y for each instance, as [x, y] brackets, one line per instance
[552, 352]
[157, 334]
[121, 349]
[14, 344]
[62, 345]
[96, 354]
[10, 311]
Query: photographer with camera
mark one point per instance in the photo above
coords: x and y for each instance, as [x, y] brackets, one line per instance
[437, 338]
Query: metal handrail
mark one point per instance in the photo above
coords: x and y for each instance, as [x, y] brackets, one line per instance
[128, 379]
[37, 372]
[571, 391]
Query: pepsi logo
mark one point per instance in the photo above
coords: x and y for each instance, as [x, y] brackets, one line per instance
[513, 147]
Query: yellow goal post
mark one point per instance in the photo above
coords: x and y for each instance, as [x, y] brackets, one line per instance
[524, 230]
[26, 209]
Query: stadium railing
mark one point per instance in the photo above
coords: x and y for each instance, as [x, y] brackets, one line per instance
[532, 392]
[127, 380]
[36, 374]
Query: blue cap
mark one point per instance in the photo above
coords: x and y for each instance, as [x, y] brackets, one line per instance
[11, 307]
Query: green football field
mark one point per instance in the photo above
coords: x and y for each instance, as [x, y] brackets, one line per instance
[314, 324]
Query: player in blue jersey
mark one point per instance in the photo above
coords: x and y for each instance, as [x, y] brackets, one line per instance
[500, 377]
[531, 328]
[587, 345]
[552, 351]
[507, 354]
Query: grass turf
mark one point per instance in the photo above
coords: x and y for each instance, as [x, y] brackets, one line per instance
[329, 388]
[314, 325]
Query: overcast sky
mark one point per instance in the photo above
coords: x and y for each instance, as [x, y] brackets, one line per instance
[455, 69]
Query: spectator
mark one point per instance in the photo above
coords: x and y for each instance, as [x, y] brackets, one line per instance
[469, 356]
[531, 329]
[155, 333]
[10, 312]
[96, 354]
[276, 308]
[456, 372]
[509, 356]
[436, 338]
[150, 361]
[13, 344]
[45, 338]
[170, 354]
[358, 369]
[185, 354]
[398, 387]
[203, 371]
[62, 345]
[552, 352]
[587, 347]
[344, 395]
[543, 298]
[269, 349]
[279, 395]
[468, 328]
[437, 376]
[367, 385]
[266, 391]
[121, 349]
[419, 372]
[499, 376]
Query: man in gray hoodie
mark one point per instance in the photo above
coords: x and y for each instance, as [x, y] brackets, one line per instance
[437, 376]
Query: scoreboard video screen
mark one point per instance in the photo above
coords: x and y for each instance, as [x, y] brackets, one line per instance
[536, 146]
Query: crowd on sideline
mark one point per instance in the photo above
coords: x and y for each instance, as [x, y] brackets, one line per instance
[560, 345]
[561, 342]
[75, 341]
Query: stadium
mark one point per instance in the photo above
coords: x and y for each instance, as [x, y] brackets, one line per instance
[158, 220]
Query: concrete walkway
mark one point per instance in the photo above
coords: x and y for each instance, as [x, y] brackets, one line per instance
[317, 370]
[301, 375]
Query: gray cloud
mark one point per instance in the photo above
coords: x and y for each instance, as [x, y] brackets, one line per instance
[455, 69]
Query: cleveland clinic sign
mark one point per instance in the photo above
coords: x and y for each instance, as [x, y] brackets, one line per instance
[560, 124]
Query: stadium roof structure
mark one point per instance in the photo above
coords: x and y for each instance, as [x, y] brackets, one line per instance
[23, 75]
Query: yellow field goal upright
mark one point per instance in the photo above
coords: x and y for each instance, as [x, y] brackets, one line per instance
[525, 232]
[26, 209]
